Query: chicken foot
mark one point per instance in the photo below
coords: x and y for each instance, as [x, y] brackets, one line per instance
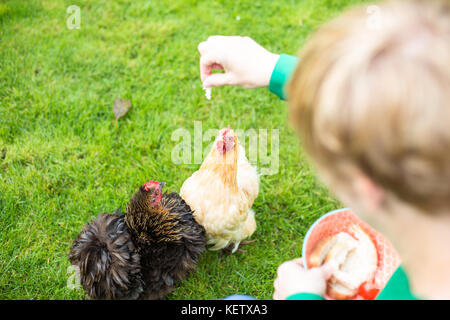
[233, 247]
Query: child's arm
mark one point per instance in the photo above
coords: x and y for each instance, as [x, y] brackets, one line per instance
[294, 282]
[245, 63]
[305, 296]
[397, 288]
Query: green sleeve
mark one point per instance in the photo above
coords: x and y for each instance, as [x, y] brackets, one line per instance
[397, 287]
[281, 74]
[305, 296]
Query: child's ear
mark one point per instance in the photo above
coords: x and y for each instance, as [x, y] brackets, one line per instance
[372, 195]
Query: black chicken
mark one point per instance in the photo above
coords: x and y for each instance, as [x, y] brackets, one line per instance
[143, 254]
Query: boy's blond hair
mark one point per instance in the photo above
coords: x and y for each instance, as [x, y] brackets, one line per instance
[372, 93]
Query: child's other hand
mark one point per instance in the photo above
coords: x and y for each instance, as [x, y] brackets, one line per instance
[293, 278]
[245, 62]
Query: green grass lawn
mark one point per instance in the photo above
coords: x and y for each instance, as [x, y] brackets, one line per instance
[63, 160]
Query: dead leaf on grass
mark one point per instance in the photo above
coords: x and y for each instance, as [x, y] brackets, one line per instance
[121, 107]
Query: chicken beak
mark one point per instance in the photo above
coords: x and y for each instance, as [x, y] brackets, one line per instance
[161, 185]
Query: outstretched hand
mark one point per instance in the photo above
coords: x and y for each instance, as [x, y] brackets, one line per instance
[245, 62]
[293, 278]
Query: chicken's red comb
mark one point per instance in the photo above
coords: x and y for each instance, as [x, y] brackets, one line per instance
[226, 131]
[148, 184]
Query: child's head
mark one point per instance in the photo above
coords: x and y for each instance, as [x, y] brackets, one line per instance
[371, 100]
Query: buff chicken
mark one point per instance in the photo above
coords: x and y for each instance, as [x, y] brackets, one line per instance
[222, 192]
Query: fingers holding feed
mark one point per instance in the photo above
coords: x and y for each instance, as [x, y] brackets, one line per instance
[211, 57]
[206, 62]
[328, 270]
[218, 80]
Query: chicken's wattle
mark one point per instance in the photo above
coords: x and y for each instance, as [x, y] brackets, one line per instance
[225, 145]
[221, 147]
